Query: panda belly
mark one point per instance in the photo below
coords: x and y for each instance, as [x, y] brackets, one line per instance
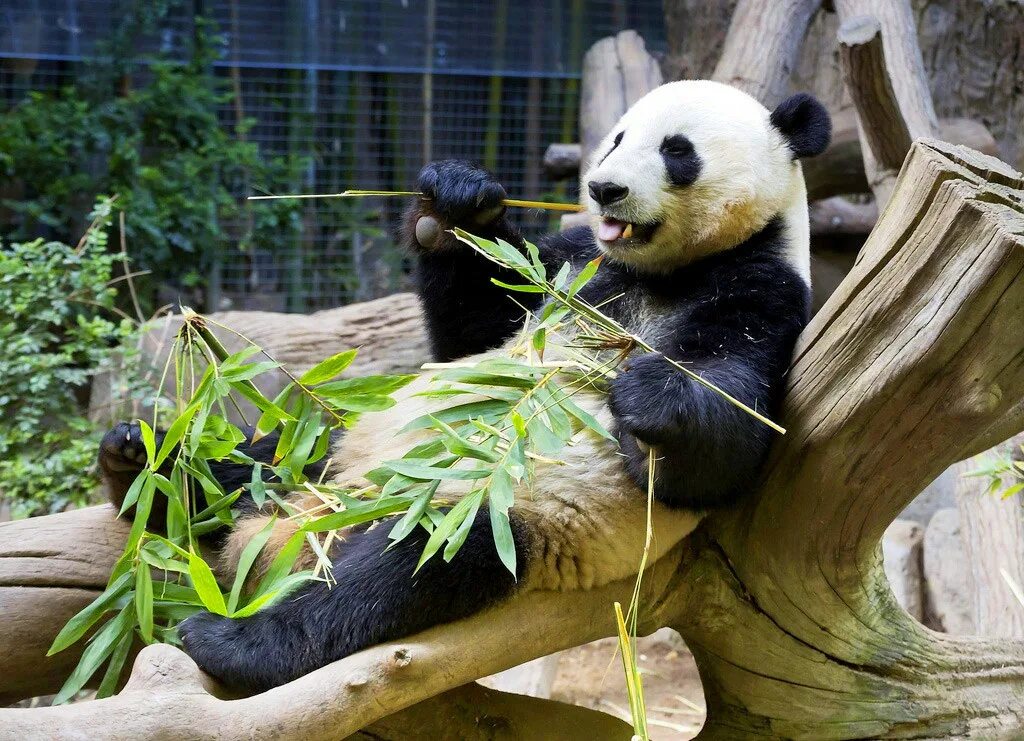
[585, 519]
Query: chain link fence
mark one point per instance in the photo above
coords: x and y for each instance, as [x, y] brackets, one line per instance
[367, 92]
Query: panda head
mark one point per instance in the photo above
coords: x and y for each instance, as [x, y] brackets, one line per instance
[697, 167]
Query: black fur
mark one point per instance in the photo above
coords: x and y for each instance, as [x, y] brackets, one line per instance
[805, 123]
[733, 317]
[682, 163]
[464, 321]
[376, 599]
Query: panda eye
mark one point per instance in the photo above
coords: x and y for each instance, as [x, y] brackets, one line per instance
[676, 146]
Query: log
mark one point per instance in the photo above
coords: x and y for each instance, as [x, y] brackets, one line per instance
[762, 47]
[617, 71]
[388, 331]
[992, 531]
[783, 599]
[839, 216]
[884, 74]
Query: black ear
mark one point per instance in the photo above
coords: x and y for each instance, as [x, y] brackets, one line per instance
[805, 123]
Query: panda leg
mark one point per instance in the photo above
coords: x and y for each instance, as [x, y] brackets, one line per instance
[376, 598]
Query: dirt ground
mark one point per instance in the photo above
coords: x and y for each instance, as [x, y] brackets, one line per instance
[592, 676]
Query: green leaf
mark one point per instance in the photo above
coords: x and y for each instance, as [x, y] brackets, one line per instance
[521, 287]
[327, 369]
[148, 440]
[206, 585]
[101, 646]
[408, 523]
[282, 563]
[286, 585]
[371, 385]
[1011, 490]
[459, 413]
[459, 536]
[584, 417]
[359, 402]
[271, 416]
[501, 495]
[584, 277]
[77, 626]
[175, 433]
[258, 489]
[562, 276]
[246, 560]
[115, 666]
[451, 522]
[373, 509]
[248, 372]
[429, 473]
[144, 601]
[132, 495]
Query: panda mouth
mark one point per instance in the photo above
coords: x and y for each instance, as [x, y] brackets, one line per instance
[613, 230]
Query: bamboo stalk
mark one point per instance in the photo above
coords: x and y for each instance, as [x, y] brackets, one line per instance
[514, 202]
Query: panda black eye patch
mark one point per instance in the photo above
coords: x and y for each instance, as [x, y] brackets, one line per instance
[615, 143]
[682, 163]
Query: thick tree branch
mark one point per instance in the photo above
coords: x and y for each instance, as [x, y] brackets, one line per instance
[762, 47]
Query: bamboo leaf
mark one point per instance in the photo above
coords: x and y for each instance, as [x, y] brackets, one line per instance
[148, 440]
[365, 512]
[584, 277]
[174, 434]
[327, 369]
[429, 473]
[282, 563]
[245, 562]
[144, 601]
[115, 666]
[447, 527]
[77, 626]
[101, 646]
[205, 585]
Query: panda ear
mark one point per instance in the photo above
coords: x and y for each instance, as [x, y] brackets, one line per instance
[805, 123]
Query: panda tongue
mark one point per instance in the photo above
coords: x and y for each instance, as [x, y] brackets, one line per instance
[610, 229]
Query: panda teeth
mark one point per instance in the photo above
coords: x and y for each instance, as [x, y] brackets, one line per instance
[627, 232]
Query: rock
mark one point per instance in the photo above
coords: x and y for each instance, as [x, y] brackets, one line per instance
[937, 495]
[948, 589]
[534, 678]
[901, 550]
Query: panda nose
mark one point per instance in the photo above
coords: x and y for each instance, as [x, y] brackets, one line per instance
[607, 193]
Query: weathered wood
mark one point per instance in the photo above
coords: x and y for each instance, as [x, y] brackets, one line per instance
[763, 45]
[617, 71]
[50, 568]
[388, 331]
[886, 80]
[992, 531]
[866, 77]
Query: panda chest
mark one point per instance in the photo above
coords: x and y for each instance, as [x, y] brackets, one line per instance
[646, 312]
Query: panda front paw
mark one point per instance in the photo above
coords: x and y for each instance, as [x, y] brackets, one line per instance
[460, 193]
[642, 398]
[122, 448]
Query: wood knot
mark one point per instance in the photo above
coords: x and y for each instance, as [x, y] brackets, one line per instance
[401, 658]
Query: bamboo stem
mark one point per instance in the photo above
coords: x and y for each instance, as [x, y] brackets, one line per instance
[514, 202]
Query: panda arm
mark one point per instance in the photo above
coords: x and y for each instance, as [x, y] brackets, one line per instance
[708, 450]
[465, 312]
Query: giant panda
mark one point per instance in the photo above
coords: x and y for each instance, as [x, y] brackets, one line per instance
[697, 201]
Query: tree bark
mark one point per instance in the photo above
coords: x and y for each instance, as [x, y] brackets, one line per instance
[992, 530]
[762, 47]
[782, 600]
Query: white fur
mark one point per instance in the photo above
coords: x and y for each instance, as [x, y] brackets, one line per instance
[748, 176]
[587, 515]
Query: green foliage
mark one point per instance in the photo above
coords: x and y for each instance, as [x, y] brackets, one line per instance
[55, 332]
[179, 173]
[1005, 472]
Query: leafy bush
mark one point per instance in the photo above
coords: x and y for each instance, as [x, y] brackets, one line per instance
[55, 332]
[179, 173]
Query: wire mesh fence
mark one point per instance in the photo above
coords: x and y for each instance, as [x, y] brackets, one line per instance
[367, 92]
